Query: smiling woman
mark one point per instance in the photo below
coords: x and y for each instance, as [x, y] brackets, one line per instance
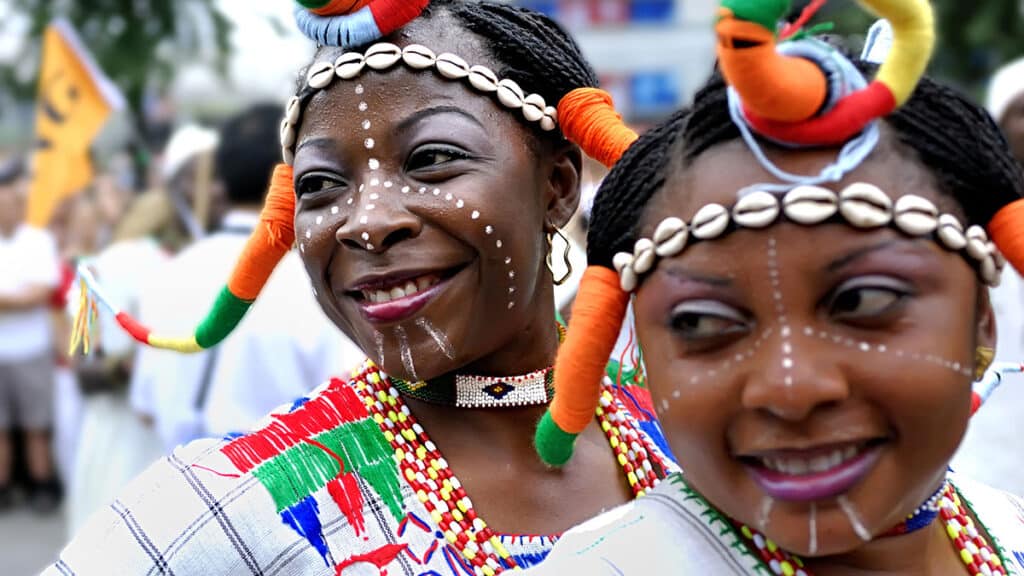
[812, 319]
[429, 157]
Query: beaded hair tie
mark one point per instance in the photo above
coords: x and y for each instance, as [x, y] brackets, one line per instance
[861, 205]
[384, 55]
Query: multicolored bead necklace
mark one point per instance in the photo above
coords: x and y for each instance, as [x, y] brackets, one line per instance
[441, 493]
[980, 558]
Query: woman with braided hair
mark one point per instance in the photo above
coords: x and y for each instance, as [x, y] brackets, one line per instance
[810, 285]
[428, 160]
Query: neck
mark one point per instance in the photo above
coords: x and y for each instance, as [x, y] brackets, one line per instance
[8, 229]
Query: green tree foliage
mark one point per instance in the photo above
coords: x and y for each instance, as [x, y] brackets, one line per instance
[138, 43]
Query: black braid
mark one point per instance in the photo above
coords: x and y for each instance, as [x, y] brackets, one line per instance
[957, 141]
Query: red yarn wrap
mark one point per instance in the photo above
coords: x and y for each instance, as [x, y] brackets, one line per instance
[848, 118]
[391, 15]
[339, 7]
[271, 240]
[1007, 232]
[596, 320]
[588, 118]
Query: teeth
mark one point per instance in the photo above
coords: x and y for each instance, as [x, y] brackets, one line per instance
[398, 292]
[800, 466]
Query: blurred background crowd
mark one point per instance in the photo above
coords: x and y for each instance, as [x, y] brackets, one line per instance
[136, 137]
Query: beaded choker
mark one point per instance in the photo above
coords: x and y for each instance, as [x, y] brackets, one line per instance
[863, 206]
[533, 389]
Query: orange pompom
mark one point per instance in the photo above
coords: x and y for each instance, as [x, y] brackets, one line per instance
[340, 7]
[771, 85]
[271, 240]
[1007, 232]
[588, 118]
[596, 320]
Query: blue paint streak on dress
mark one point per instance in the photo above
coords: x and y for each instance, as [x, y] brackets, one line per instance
[527, 560]
[653, 431]
[304, 519]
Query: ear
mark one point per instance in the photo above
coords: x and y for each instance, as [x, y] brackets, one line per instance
[562, 190]
[986, 333]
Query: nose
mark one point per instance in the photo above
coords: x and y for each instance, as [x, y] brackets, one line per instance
[378, 219]
[792, 378]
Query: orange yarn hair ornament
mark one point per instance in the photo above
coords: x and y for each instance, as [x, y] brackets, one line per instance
[1007, 233]
[587, 117]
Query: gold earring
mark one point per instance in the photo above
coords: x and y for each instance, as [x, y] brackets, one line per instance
[983, 356]
[565, 257]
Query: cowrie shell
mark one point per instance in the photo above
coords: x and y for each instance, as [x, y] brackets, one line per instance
[483, 79]
[349, 65]
[287, 134]
[451, 66]
[951, 232]
[915, 215]
[643, 256]
[382, 56]
[533, 107]
[622, 260]
[709, 222]
[1000, 259]
[510, 94]
[320, 75]
[977, 243]
[865, 205]
[418, 57]
[670, 237]
[628, 279]
[810, 204]
[550, 120]
[293, 110]
[756, 210]
[990, 273]
[288, 156]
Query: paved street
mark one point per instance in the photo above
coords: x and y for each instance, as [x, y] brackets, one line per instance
[28, 542]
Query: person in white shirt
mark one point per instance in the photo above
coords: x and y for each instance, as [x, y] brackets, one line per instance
[283, 344]
[30, 273]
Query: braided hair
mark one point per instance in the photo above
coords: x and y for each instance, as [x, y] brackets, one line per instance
[956, 140]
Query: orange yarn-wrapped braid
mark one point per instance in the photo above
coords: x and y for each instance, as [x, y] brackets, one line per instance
[774, 86]
[596, 320]
[1007, 232]
[588, 118]
[340, 7]
[270, 241]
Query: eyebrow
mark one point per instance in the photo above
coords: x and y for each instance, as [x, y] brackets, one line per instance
[323, 142]
[420, 115]
[852, 257]
[684, 274]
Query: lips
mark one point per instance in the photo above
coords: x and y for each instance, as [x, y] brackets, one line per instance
[397, 296]
[813, 474]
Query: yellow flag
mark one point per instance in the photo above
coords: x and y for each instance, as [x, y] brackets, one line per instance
[75, 98]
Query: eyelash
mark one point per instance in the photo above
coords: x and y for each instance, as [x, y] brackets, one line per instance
[454, 153]
[314, 184]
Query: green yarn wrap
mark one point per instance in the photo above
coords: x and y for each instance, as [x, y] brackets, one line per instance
[767, 13]
[554, 445]
[227, 312]
[313, 4]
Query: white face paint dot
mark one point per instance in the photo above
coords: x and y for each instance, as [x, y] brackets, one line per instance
[475, 215]
[302, 248]
[363, 220]
[422, 190]
[448, 196]
[511, 275]
[785, 332]
[362, 187]
[374, 196]
[405, 189]
[369, 246]
[512, 290]
[363, 106]
[508, 261]
[437, 191]
[676, 393]
[489, 230]
[374, 164]
[786, 348]
[787, 363]
[349, 201]
[808, 331]
[319, 220]
[511, 305]
[369, 143]
[365, 236]
[366, 124]
[309, 234]
[360, 89]
[334, 209]
[864, 346]
[388, 184]
[498, 244]
[788, 380]
[371, 206]
[375, 182]
[460, 204]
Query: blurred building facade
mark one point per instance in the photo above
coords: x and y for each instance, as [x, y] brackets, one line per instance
[651, 55]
